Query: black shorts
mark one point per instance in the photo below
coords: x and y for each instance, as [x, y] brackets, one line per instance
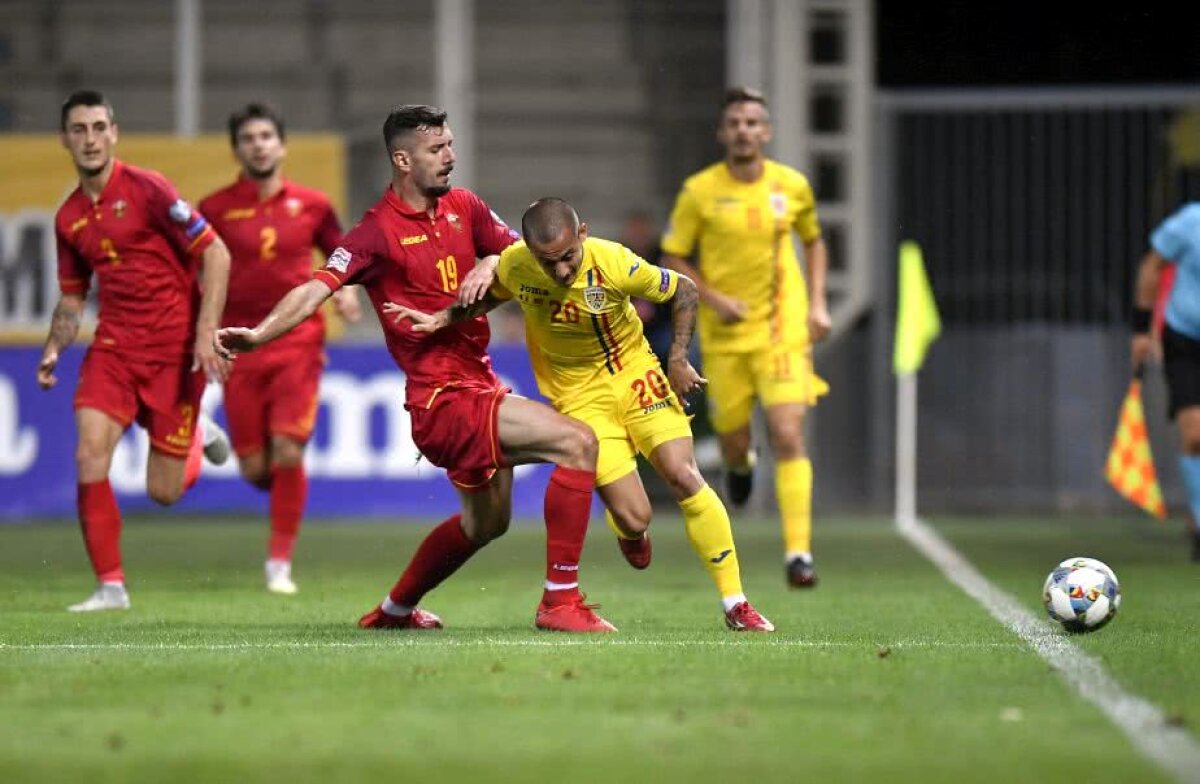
[1181, 361]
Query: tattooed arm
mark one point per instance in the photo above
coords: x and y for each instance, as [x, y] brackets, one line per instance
[64, 325]
[682, 376]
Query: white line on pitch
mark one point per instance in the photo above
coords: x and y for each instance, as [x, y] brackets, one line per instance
[428, 641]
[1171, 747]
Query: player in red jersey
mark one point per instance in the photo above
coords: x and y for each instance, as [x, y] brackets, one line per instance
[153, 343]
[413, 247]
[271, 226]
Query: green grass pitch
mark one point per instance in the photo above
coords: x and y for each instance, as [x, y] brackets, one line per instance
[886, 672]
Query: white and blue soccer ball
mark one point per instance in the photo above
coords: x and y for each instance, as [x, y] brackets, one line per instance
[1082, 594]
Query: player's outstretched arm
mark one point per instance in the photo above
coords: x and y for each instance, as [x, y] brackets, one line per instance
[432, 322]
[682, 377]
[215, 284]
[297, 305]
[730, 309]
[64, 326]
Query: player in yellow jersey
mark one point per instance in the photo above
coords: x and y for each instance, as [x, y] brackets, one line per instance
[758, 323]
[593, 363]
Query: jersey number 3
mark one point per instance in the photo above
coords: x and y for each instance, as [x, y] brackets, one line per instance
[448, 268]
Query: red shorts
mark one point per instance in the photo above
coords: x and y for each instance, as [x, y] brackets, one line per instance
[161, 396]
[275, 393]
[457, 431]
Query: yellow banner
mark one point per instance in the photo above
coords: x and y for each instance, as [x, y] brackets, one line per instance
[37, 176]
[37, 172]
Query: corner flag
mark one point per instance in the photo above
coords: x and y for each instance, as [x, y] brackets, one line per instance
[1130, 467]
[917, 320]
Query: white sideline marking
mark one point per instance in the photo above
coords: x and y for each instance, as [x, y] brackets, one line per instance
[1172, 748]
[431, 641]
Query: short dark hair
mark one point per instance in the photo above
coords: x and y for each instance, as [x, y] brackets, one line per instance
[742, 94]
[85, 98]
[545, 219]
[255, 111]
[408, 118]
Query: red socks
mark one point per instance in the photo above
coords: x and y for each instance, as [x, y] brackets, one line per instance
[195, 459]
[289, 494]
[444, 550]
[101, 522]
[568, 506]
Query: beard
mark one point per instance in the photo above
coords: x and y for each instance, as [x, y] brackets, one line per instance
[437, 191]
[743, 156]
[261, 174]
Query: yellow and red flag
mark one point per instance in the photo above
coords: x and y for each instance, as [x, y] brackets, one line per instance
[1130, 468]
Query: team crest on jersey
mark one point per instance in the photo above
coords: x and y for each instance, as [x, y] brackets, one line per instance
[779, 204]
[595, 297]
[454, 221]
[293, 207]
[119, 208]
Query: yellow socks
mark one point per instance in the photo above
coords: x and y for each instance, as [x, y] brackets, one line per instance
[708, 530]
[793, 488]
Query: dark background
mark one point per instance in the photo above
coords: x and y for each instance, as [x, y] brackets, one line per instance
[922, 43]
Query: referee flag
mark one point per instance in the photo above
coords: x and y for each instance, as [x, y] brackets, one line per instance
[917, 320]
[1130, 468]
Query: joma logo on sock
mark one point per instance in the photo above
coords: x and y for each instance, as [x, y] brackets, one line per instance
[724, 554]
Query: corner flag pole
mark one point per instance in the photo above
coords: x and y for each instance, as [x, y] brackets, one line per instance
[906, 449]
[917, 325]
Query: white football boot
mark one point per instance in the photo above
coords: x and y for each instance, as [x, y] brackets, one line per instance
[216, 442]
[108, 596]
[279, 577]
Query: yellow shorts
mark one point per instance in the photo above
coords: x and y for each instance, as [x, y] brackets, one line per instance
[635, 413]
[781, 374]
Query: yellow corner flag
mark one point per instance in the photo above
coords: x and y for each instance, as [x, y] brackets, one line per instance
[917, 320]
[1130, 468]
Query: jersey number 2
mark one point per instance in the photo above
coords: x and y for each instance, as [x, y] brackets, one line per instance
[110, 251]
[448, 267]
[266, 251]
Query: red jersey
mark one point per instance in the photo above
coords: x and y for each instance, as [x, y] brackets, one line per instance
[402, 255]
[271, 245]
[143, 243]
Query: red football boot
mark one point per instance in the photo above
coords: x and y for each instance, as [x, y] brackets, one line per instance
[636, 551]
[571, 616]
[417, 619]
[744, 618]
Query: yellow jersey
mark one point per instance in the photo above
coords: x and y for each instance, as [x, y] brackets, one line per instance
[744, 233]
[583, 337]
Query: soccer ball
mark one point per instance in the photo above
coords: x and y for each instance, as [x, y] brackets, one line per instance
[1082, 594]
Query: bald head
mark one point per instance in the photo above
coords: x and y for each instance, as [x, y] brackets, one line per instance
[546, 219]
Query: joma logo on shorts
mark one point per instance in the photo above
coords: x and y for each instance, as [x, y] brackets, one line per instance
[656, 406]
